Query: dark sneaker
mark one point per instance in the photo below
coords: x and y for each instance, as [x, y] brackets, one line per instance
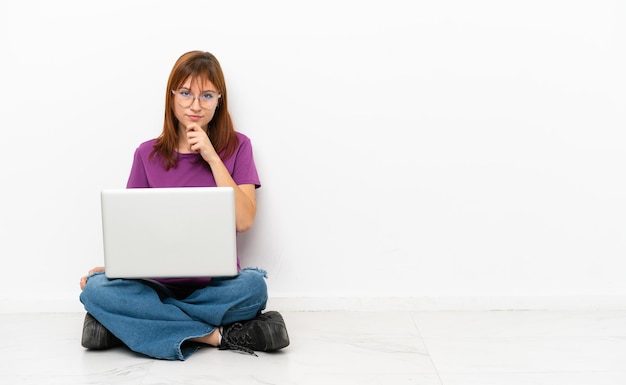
[265, 333]
[96, 336]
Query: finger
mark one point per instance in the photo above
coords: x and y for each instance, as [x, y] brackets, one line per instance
[193, 127]
[98, 269]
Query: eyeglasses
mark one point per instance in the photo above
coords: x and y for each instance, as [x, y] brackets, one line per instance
[185, 99]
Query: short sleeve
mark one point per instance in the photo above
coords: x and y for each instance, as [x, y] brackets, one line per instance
[137, 177]
[244, 167]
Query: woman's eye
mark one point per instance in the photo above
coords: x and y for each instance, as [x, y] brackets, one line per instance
[185, 94]
[207, 96]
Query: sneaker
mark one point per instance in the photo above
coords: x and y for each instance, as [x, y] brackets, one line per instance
[265, 333]
[96, 336]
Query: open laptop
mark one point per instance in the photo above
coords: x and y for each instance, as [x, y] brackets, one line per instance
[169, 232]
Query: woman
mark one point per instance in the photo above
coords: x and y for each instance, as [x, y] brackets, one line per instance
[172, 318]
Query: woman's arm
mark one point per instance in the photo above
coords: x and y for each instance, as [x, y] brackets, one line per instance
[245, 194]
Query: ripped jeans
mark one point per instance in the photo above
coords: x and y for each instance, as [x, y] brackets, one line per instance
[152, 322]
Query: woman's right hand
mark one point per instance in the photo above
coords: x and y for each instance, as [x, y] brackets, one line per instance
[83, 280]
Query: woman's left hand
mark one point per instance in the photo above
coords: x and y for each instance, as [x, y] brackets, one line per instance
[199, 142]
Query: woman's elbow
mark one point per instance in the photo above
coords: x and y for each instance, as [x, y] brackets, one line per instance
[244, 225]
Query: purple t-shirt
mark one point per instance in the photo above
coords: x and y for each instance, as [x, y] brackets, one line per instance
[191, 171]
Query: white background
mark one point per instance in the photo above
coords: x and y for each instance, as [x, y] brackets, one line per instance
[407, 149]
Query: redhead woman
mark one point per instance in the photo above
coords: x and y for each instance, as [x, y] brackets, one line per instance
[172, 318]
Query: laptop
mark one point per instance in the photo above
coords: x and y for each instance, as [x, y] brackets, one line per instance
[169, 232]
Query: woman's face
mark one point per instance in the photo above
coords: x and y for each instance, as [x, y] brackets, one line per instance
[195, 101]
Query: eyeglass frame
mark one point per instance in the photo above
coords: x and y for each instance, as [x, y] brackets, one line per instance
[194, 98]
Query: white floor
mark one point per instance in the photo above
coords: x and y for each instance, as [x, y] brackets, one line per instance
[443, 348]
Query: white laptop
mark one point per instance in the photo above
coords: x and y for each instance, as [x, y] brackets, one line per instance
[169, 232]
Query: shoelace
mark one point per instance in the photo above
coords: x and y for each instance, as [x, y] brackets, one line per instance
[234, 339]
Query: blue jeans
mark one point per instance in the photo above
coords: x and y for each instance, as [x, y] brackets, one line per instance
[150, 321]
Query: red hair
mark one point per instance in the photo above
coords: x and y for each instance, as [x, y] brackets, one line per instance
[199, 66]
